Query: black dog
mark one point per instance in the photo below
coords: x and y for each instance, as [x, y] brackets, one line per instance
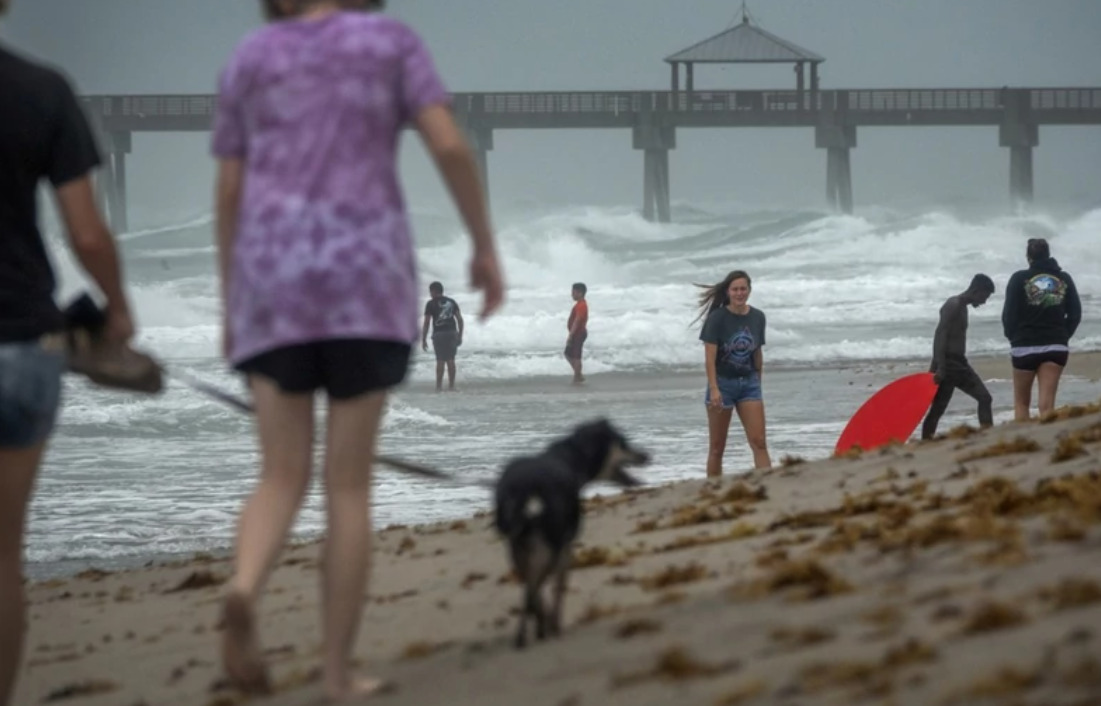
[538, 511]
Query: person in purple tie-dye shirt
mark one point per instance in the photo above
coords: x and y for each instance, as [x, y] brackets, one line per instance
[319, 283]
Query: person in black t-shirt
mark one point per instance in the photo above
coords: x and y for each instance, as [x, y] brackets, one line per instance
[446, 321]
[43, 135]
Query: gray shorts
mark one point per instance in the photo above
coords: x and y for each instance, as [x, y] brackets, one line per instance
[30, 390]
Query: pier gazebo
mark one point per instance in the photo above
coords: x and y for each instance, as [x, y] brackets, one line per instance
[746, 43]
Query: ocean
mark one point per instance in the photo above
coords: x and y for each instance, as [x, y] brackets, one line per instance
[851, 302]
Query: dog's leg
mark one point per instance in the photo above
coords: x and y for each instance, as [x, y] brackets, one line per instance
[561, 574]
[539, 611]
[522, 631]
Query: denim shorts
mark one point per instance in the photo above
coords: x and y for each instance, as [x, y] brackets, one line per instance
[735, 390]
[30, 390]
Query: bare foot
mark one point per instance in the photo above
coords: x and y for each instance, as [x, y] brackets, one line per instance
[241, 653]
[359, 688]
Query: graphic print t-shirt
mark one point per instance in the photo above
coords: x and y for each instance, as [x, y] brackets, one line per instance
[443, 312]
[737, 337]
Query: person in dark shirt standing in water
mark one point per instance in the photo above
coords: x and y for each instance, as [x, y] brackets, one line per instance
[43, 135]
[577, 325]
[950, 367]
[443, 315]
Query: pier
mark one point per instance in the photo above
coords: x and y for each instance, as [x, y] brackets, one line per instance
[655, 117]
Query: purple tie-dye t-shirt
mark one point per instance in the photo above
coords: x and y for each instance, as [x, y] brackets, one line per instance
[314, 107]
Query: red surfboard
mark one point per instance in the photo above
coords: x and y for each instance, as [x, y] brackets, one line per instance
[889, 415]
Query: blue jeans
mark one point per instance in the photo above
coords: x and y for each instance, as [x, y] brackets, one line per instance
[735, 390]
[30, 390]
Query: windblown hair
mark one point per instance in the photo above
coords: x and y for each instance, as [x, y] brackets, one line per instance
[714, 296]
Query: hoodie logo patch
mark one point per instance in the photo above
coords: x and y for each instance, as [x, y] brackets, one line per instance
[1045, 290]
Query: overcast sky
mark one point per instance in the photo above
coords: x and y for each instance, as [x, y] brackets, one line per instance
[174, 46]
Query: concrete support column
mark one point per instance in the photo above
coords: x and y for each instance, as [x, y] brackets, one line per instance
[655, 141]
[110, 181]
[837, 140]
[1020, 135]
[690, 79]
[480, 140]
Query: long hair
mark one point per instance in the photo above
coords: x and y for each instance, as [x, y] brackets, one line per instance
[716, 295]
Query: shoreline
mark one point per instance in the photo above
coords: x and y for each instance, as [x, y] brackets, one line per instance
[1082, 366]
[935, 572]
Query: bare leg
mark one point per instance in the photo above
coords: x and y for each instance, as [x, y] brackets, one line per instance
[1047, 382]
[439, 375]
[1022, 394]
[752, 415]
[285, 426]
[18, 468]
[718, 427]
[575, 364]
[451, 374]
[352, 432]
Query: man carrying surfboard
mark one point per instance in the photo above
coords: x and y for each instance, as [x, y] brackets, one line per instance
[950, 368]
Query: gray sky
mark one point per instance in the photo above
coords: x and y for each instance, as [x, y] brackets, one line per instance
[173, 46]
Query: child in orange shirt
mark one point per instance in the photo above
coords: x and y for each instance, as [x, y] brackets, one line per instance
[578, 328]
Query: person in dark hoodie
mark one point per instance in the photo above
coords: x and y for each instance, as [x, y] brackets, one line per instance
[1041, 313]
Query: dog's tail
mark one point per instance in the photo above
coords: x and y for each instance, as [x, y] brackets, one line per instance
[516, 515]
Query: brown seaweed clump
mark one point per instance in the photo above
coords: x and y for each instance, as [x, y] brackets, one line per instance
[1016, 445]
[804, 580]
[991, 616]
[675, 664]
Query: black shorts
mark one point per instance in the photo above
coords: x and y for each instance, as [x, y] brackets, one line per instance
[344, 368]
[445, 345]
[1033, 361]
[575, 346]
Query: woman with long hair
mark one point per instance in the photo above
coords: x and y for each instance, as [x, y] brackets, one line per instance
[733, 333]
[1041, 313]
[319, 283]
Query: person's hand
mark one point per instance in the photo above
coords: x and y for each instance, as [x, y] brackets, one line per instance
[459, 341]
[424, 346]
[938, 377]
[485, 275]
[119, 327]
[716, 397]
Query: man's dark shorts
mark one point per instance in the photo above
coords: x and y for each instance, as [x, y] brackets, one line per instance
[576, 345]
[30, 391]
[344, 368]
[446, 345]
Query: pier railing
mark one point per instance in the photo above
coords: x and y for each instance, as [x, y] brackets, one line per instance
[168, 112]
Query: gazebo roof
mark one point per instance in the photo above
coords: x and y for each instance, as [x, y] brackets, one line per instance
[744, 44]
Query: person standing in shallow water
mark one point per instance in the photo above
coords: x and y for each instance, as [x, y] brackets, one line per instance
[578, 327]
[319, 284]
[442, 315]
[950, 367]
[733, 335]
[1041, 313]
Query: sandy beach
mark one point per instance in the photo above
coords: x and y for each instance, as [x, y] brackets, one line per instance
[961, 571]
